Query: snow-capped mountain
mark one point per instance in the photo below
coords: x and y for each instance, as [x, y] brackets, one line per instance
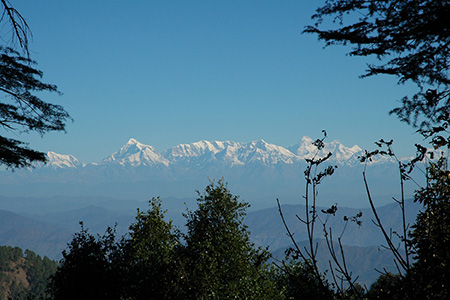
[60, 161]
[256, 169]
[204, 152]
[230, 153]
[266, 154]
[225, 153]
[341, 154]
[136, 154]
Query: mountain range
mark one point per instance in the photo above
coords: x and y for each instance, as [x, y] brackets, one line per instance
[228, 153]
[258, 171]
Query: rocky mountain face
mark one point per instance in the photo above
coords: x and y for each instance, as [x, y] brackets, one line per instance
[258, 171]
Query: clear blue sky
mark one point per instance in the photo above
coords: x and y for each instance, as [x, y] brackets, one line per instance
[171, 72]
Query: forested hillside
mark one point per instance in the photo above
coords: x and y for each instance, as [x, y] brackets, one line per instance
[23, 275]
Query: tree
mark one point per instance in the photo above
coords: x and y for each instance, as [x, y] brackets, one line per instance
[150, 261]
[221, 262]
[21, 110]
[87, 270]
[38, 272]
[430, 274]
[412, 38]
[296, 279]
[388, 287]
[215, 261]
[142, 265]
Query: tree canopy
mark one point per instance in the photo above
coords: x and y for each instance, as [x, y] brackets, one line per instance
[149, 256]
[221, 261]
[21, 110]
[87, 270]
[213, 260]
[411, 39]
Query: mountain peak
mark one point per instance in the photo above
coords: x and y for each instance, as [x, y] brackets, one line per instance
[132, 141]
[135, 153]
[260, 143]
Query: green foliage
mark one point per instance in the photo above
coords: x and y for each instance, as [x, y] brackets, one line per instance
[141, 265]
[38, 272]
[216, 259]
[387, 287]
[297, 280]
[16, 291]
[7, 255]
[149, 256]
[221, 262]
[87, 269]
[430, 275]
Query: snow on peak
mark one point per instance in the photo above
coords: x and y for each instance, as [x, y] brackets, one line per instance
[229, 153]
[258, 151]
[305, 149]
[199, 148]
[132, 142]
[265, 153]
[135, 154]
[61, 161]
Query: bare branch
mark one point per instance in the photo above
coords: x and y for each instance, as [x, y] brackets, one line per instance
[19, 25]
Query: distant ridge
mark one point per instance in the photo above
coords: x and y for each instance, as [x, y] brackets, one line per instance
[134, 153]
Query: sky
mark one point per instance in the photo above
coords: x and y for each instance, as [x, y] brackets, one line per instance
[172, 72]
